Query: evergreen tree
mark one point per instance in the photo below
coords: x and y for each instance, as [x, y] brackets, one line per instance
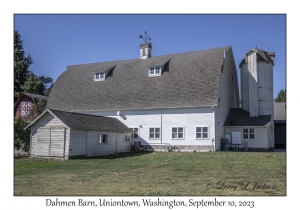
[281, 97]
[22, 62]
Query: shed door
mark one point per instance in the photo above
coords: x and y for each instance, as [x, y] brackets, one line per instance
[51, 142]
[43, 141]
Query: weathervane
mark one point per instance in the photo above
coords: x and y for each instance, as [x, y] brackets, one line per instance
[145, 38]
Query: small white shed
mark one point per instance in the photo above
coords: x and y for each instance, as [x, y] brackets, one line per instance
[68, 135]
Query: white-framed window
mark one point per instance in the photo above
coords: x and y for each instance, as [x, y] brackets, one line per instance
[202, 132]
[135, 133]
[102, 138]
[154, 133]
[99, 76]
[248, 133]
[127, 138]
[155, 71]
[177, 132]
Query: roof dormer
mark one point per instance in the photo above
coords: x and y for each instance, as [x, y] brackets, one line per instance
[156, 67]
[101, 74]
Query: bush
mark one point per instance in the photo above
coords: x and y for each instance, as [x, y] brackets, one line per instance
[21, 136]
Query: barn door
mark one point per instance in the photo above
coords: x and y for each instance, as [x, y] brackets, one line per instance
[57, 143]
[51, 142]
[43, 141]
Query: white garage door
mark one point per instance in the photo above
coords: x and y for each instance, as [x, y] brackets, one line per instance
[51, 142]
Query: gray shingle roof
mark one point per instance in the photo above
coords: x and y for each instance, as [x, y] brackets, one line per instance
[188, 79]
[240, 117]
[78, 121]
[35, 97]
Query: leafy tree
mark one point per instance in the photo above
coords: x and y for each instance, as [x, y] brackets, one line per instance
[21, 136]
[36, 84]
[37, 109]
[22, 62]
[281, 97]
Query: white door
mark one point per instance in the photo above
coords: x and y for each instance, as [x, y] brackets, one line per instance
[236, 137]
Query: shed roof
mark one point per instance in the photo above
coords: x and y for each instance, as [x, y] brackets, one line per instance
[188, 79]
[78, 121]
[240, 117]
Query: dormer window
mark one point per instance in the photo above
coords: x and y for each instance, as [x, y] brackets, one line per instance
[155, 71]
[99, 76]
[103, 72]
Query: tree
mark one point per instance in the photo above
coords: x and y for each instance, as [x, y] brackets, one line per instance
[21, 136]
[37, 109]
[281, 97]
[36, 84]
[22, 62]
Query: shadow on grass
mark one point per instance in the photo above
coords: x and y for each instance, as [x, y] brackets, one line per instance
[120, 155]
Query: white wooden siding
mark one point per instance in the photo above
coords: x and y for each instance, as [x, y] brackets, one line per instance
[261, 138]
[115, 144]
[166, 119]
[78, 142]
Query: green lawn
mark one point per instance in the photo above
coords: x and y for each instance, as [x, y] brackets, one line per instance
[154, 174]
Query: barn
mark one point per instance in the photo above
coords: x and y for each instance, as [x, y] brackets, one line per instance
[70, 135]
[25, 103]
[188, 100]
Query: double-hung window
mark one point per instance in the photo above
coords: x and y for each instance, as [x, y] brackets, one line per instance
[249, 133]
[202, 132]
[154, 133]
[177, 133]
[103, 139]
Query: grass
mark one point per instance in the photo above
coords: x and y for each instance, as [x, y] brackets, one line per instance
[154, 174]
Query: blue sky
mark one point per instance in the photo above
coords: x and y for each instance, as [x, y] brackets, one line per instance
[56, 41]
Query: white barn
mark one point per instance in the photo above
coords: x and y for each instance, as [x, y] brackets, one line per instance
[179, 99]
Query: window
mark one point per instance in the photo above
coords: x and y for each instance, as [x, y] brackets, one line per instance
[249, 133]
[102, 139]
[177, 133]
[155, 71]
[135, 133]
[202, 133]
[154, 133]
[127, 138]
[99, 76]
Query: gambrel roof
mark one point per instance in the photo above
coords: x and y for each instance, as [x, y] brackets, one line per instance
[78, 121]
[188, 79]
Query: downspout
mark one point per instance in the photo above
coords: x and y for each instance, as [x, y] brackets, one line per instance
[214, 127]
[161, 127]
[86, 143]
[116, 144]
